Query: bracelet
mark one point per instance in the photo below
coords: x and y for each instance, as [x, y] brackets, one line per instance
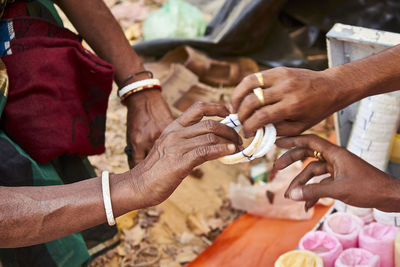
[136, 85]
[136, 74]
[125, 96]
[105, 185]
[259, 147]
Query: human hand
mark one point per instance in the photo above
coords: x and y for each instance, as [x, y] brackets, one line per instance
[148, 115]
[186, 143]
[352, 180]
[295, 100]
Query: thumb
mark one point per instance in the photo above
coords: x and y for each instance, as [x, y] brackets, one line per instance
[310, 192]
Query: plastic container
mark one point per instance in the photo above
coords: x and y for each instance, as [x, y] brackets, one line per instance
[379, 239]
[324, 244]
[299, 258]
[374, 127]
[345, 227]
[357, 257]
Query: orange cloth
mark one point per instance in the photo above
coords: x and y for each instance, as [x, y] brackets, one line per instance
[255, 241]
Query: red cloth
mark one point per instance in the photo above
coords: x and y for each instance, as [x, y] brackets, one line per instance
[58, 93]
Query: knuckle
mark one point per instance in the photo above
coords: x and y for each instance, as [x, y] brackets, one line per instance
[248, 79]
[199, 105]
[211, 138]
[202, 152]
[260, 115]
[282, 70]
[210, 125]
[248, 101]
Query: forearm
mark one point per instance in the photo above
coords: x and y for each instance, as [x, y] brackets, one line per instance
[376, 74]
[390, 194]
[98, 27]
[32, 215]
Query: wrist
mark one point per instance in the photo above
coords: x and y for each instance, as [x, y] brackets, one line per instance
[126, 193]
[345, 85]
[392, 195]
[139, 98]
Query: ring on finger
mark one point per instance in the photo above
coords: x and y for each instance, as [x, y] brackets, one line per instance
[318, 155]
[260, 79]
[260, 95]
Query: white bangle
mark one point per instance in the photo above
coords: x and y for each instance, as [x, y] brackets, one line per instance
[105, 185]
[259, 147]
[132, 86]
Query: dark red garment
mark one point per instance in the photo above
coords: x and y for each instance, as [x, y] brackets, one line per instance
[58, 94]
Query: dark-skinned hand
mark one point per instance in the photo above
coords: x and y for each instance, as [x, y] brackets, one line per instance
[184, 144]
[148, 115]
[295, 100]
[352, 180]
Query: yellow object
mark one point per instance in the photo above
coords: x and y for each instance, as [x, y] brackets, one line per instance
[397, 251]
[127, 221]
[395, 153]
[318, 156]
[260, 95]
[299, 258]
[260, 78]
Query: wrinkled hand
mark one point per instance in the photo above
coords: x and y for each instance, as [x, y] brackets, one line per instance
[186, 143]
[295, 100]
[352, 180]
[148, 115]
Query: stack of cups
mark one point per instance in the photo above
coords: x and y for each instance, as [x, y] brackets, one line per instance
[324, 244]
[379, 239]
[371, 137]
[345, 227]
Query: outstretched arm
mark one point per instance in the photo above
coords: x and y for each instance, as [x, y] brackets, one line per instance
[32, 215]
[296, 99]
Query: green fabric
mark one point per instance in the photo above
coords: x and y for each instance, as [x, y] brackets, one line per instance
[67, 251]
[50, 6]
[3, 101]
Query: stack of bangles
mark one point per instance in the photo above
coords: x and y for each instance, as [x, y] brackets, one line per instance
[262, 143]
[138, 86]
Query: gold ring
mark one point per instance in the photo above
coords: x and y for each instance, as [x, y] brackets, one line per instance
[260, 79]
[260, 95]
[318, 155]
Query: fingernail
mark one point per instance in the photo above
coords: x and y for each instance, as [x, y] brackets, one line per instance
[232, 148]
[296, 194]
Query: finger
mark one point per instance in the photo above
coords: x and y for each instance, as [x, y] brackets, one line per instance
[263, 116]
[311, 142]
[247, 85]
[289, 128]
[210, 126]
[314, 192]
[207, 140]
[311, 170]
[312, 203]
[291, 156]
[198, 110]
[202, 154]
[251, 103]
